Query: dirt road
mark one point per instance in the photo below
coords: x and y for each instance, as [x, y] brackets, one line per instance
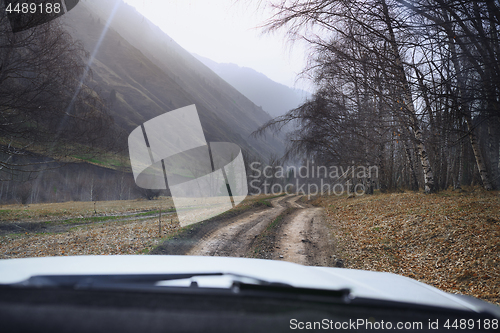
[289, 230]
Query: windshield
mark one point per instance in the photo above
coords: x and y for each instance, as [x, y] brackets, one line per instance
[344, 134]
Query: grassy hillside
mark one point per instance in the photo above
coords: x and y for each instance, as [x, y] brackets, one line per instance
[143, 74]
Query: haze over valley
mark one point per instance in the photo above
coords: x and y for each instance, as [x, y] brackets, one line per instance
[274, 98]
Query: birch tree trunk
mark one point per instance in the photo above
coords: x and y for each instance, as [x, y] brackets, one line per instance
[481, 166]
[478, 155]
[409, 106]
[494, 150]
[382, 169]
[413, 174]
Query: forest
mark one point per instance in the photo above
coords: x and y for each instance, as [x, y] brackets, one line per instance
[412, 87]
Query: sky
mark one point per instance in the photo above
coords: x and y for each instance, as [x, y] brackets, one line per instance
[227, 31]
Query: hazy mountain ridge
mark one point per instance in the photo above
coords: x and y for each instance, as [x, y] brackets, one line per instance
[151, 74]
[274, 98]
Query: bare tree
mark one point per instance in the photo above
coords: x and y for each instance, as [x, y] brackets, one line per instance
[399, 82]
[47, 107]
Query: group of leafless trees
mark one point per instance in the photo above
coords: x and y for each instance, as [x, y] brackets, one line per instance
[47, 104]
[410, 86]
[73, 182]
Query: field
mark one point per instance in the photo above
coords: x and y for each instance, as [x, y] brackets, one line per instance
[82, 228]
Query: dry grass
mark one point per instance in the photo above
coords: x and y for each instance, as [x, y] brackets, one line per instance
[108, 238]
[97, 239]
[66, 210]
[450, 240]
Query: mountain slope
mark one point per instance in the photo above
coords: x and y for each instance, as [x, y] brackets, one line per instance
[273, 97]
[145, 73]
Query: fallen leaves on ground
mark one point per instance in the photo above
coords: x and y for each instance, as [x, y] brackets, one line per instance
[450, 240]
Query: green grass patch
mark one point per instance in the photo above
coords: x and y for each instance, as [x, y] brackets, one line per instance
[88, 159]
[277, 221]
[144, 251]
[265, 203]
[111, 161]
[17, 235]
[7, 212]
[267, 239]
[101, 219]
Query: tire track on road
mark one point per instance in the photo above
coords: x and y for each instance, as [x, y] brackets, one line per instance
[235, 239]
[289, 230]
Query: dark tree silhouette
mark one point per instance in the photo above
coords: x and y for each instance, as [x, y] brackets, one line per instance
[47, 107]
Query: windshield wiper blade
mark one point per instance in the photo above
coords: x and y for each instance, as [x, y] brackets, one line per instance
[343, 294]
[235, 284]
[79, 281]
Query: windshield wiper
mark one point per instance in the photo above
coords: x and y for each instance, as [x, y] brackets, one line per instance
[191, 282]
[83, 281]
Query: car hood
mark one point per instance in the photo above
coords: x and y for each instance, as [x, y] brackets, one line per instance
[366, 284]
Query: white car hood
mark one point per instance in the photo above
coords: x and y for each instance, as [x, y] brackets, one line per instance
[367, 284]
